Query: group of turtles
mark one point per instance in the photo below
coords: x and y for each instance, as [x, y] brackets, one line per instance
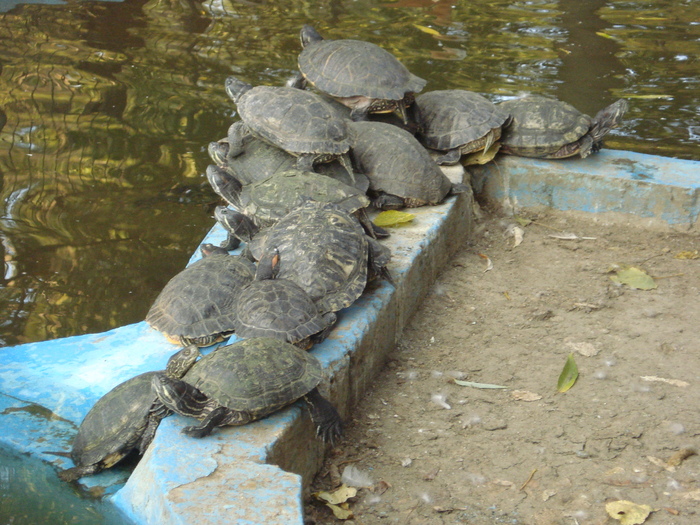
[298, 173]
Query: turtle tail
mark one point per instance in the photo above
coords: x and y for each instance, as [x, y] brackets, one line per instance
[607, 119]
[329, 425]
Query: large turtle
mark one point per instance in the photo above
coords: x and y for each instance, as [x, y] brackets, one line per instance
[297, 121]
[123, 420]
[323, 249]
[246, 381]
[457, 122]
[197, 305]
[400, 170]
[360, 75]
[547, 128]
[279, 308]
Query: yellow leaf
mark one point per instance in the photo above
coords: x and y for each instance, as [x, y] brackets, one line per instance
[605, 35]
[428, 30]
[482, 156]
[393, 218]
[342, 512]
[633, 277]
[339, 495]
[687, 255]
[628, 513]
[650, 97]
[568, 375]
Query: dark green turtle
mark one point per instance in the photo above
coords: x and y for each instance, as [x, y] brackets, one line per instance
[547, 128]
[360, 75]
[123, 420]
[198, 304]
[322, 248]
[297, 121]
[457, 122]
[246, 381]
[400, 170]
[279, 308]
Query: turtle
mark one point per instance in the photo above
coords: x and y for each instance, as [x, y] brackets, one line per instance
[280, 308]
[197, 305]
[400, 170]
[248, 380]
[547, 128]
[123, 420]
[296, 121]
[457, 122]
[359, 74]
[266, 201]
[323, 249]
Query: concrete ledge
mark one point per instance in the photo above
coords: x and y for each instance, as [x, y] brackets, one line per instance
[659, 188]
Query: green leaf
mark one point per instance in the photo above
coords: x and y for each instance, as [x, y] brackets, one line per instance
[393, 218]
[476, 385]
[568, 376]
[634, 278]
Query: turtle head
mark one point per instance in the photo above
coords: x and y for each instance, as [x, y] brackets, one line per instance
[268, 266]
[236, 223]
[208, 249]
[308, 35]
[224, 184]
[180, 362]
[236, 88]
[178, 396]
[218, 151]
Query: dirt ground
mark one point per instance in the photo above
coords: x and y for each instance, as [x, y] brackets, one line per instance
[430, 451]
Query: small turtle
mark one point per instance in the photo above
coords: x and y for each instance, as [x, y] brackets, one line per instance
[547, 128]
[246, 381]
[457, 122]
[360, 75]
[400, 170]
[299, 122]
[123, 420]
[279, 308]
[198, 304]
[323, 249]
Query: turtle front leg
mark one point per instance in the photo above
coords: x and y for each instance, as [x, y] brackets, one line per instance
[219, 417]
[237, 134]
[359, 114]
[329, 425]
[154, 419]
[306, 162]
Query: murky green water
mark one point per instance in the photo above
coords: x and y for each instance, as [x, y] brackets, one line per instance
[106, 109]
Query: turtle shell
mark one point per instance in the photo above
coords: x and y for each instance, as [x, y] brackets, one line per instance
[397, 164]
[277, 308]
[297, 121]
[349, 68]
[455, 118]
[258, 375]
[541, 126]
[198, 303]
[323, 249]
[269, 200]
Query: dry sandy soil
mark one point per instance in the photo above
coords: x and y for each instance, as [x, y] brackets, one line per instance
[436, 452]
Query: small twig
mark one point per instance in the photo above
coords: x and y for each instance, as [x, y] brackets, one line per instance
[528, 479]
[669, 276]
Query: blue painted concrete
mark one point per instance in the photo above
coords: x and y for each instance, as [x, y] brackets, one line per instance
[244, 475]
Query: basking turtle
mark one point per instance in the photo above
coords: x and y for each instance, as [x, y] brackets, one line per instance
[124, 419]
[198, 304]
[547, 128]
[279, 308]
[400, 170]
[297, 121]
[457, 122]
[322, 248]
[246, 381]
[360, 75]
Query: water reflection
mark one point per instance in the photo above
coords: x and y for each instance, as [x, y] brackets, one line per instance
[106, 109]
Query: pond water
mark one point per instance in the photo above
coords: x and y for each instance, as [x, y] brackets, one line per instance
[106, 109]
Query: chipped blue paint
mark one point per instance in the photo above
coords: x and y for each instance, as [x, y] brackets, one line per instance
[47, 388]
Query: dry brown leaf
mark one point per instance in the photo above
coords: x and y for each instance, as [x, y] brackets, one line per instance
[627, 512]
[340, 495]
[676, 459]
[524, 395]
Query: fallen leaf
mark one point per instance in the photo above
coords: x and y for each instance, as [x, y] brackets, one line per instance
[518, 234]
[687, 255]
[524, 395]
[430, 476]
[381, 487]
[676, 459]
[489, 264]
[339, 495]
[482, 156]
[650, 97]
[605, 35]
[674, 382]
[583, 348]
[661, 463]
[428, 30]
[633, 277]
[342, 511]
[390, 218]
[475, 385]
[628, 513]
[568, 375]
[522, 221]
